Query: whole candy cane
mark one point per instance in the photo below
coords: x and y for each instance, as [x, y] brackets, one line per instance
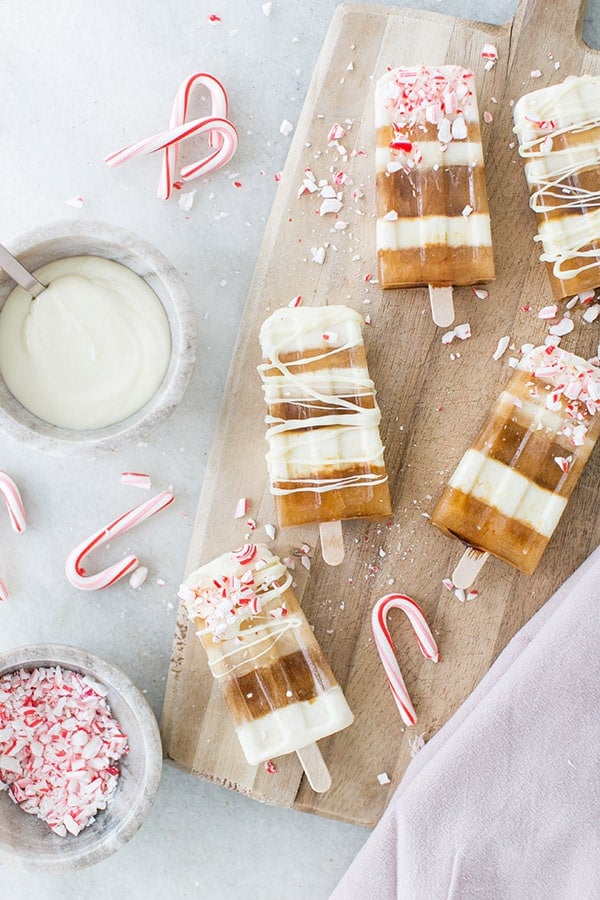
[16, 513]
[387, 652]
[222, 136]
[74, 564]
[179, 114]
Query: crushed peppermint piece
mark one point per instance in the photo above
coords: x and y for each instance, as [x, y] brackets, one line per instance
[548, 312]
[330, 205]
[489, 51]
[296, 301]
[472, 594]
[286, 128]
[270, 529]
[136, 479]
[565, 326]
[489, 65]
[306, 562]
[251, 524]
[416, 744]
[186, 201]
[467, 210]
[214, 18]
[138, 577]
[591, 313]
[330, 337]
[563, 462]
[267, 9]
[535, 73]
[383, 778]
[336, 132]
[270, 767]
[487, 117]
[481, 294]
[75, 202]
[318, 255]
[391, 216]
[501, 347]
[59, 746]
[448, 584]
[241, 508]
[463, 331]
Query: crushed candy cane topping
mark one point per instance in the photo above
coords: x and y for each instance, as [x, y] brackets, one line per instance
[571, 385]
[237, 587]
[59, 746]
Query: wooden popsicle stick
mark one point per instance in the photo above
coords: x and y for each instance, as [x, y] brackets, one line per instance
[315, 768]
[442, 305]
[468, 568]
[332, 542]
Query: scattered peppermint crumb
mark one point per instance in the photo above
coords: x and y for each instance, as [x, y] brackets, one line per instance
[241, 509]
[467, 210]
[548, 312]
[270, 529]
[318, 255]
[535, 73]
[489, 51]
[487, 117]
[267, 9]
[480, 293]
[251, 524]
[76, 202]
[565, 326]
[138, 577]
[502, 347]
[383, 778]
[270, 767]
[591, 313]
[186, 201]
[286, 128]
[305, 561]
[472, 594]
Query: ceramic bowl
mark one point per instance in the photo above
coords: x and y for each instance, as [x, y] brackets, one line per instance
[28, 843]
[98, 239]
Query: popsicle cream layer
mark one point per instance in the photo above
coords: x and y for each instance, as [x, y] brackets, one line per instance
[433, 224]
[325, 456]
[512, 486]
[277, 684]
[559, 137]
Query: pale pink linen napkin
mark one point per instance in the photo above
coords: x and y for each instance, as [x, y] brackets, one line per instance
[504, 802]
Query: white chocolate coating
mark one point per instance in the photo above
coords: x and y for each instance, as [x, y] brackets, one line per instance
[303, 455]
[90, 350]
[540, 118]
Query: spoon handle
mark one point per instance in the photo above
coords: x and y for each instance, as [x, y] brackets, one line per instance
[19, 273]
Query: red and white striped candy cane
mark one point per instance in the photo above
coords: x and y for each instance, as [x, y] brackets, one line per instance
[222, 136]
[16, 514]
[219, 108]
[387, 651]
[74, 564]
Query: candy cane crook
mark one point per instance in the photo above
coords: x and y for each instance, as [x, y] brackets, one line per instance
[74, 564]
[387, 651]
[222, 136]
[16, 513]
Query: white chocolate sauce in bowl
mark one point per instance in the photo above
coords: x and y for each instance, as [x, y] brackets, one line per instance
[90, 350]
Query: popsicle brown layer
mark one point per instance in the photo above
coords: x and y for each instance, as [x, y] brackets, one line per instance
[277, 684]
[510, 489]
[559, 133]
[433, 224]
[325, 456]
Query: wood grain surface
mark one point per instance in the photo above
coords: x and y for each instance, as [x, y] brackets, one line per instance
[433, 398]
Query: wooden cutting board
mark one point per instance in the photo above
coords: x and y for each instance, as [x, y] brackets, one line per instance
[433, 398]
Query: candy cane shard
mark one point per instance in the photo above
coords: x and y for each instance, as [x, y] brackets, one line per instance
[74, 564]
[387, 652]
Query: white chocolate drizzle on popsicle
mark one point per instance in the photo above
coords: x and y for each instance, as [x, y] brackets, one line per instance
[325, 456]
[559, 135]
[433, 223]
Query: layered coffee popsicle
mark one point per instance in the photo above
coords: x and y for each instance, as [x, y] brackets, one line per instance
[277, 684]
[325, 456]
[559, 133]
[433, 222]
[511, 487]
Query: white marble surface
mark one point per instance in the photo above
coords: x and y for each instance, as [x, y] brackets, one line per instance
[80, 79]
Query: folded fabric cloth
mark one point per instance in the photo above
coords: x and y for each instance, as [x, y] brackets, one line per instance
[504, 802]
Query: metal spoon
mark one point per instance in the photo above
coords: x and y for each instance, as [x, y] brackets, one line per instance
[19, 273]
